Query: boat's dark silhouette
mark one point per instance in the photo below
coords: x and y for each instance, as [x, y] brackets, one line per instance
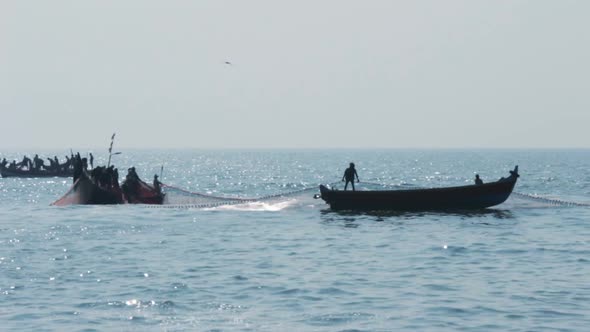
[6, 172]
[432, 199]
[87, 190]
[137, 191]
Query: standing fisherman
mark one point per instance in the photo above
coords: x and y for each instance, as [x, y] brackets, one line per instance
[157, 184]
[349, 175]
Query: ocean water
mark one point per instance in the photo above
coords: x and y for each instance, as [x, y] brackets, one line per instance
[290, 263]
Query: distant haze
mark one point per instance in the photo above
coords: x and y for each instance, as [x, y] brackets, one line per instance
[295, 74]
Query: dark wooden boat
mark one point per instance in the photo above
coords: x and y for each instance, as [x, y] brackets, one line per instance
[86, 192]
[137, 191]
[21, 173]
[432, 199]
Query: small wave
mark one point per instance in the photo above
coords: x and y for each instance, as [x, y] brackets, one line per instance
[240, 278]
[292, 291]
[439, 287]
[555, 313]
[334, 291]
[227, 307]
[311, 298]
[25, 317]
[136, 303]
[450, 310]
[338, 318]
[514, 316]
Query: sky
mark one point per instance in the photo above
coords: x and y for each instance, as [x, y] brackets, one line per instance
[302, 74]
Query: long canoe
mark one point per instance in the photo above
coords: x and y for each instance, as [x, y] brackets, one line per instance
[468, 197]
[20, 173]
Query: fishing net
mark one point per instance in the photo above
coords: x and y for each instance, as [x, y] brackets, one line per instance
[181, 198]
[540, 201]
[70, 197]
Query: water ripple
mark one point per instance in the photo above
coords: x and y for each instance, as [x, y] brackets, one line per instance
[521, 267]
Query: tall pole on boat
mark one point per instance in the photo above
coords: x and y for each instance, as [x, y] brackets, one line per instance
[111, 150]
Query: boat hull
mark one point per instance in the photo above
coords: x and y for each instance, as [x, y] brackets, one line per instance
[139, 192]
[12, 173]
[433, 199]
[84, 191]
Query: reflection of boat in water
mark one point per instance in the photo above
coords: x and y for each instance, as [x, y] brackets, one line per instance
[382, 215]
[87, 190]
[6, 172]
[449, 198]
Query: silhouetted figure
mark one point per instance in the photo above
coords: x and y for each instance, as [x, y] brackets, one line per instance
[107, 177]
[157, 184]
[12, 165]
[25, 163]
[38, 163]
[67, 164]
[349, 175]
[478, 181]
[131, 175]
[54, 165]
[91, 160]
[102, 176]
[3, 163]
[51, 165]
[115, 178]
[95, 174]
[79, 167]
[131, 184]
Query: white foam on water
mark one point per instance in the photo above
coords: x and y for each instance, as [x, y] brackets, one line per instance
[255, 206]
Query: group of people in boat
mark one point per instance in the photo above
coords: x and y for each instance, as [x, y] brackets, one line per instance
[37, 164]
[107, 177]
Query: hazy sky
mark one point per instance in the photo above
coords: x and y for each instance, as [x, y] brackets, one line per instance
[308, 74]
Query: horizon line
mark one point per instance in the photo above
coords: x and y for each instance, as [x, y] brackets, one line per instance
[92, 149]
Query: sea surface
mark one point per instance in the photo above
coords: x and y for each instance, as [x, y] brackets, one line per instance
[289, 263]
